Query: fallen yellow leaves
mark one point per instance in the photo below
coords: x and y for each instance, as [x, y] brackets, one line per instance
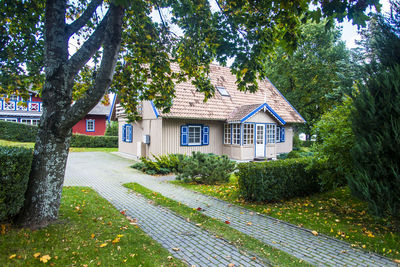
[36, 254]
[249, 223]
[12, 256]
[103, 245]
[176, 249]
[45, 258]
[116, 240]
[314, 232]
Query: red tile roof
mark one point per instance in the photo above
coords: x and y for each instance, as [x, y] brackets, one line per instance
[188, 103]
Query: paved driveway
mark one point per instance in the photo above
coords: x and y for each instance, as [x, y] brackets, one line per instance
[106, 172]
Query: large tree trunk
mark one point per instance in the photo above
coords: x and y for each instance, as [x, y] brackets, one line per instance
[42, 199]
[43, 196]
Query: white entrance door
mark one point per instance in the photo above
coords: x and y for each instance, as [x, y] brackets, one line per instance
[260, 140]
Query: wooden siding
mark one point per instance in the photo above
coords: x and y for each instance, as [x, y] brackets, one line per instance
[286, 146]
[148, 112]
[99, 125]
[261, 117]
[130, 148]
[171, 139]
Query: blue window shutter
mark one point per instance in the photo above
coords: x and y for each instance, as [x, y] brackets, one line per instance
[124, 133]
[282, 134]
[206, 135]
[184, 135]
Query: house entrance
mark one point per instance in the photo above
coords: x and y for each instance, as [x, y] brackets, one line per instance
[260, 141]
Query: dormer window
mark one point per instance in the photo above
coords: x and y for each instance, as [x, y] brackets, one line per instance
[222, 90]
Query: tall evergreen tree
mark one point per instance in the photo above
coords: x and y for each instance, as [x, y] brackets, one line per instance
[376, 120]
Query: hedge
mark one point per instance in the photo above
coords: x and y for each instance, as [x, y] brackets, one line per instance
[15, 165]
[20, 132]
[81, 140]
[277, 180]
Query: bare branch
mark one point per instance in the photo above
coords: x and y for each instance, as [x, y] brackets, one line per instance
[88, 49]
[161, 17]
[84, 18]
[111, 46]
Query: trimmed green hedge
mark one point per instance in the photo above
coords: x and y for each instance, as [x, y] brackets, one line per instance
[276, 180]
[15, 165]
[20, 132]
[81, 140]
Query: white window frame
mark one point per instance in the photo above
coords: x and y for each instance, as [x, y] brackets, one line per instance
[236, 133]
[87, 126]
[222, 91]
[278, 134]
[192, 128]
[271, 133]
[227, 134]
[30, 121]
[248, 134]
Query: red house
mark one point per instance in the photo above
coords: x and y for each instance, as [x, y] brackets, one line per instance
[14, 108]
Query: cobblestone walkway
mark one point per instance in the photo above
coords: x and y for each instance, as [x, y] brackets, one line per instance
[105, 173]
[318, 250]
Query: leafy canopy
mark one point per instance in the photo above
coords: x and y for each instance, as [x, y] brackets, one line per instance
[152, 57]
[317, 75]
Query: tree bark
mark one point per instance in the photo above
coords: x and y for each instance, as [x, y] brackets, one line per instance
[43, 196]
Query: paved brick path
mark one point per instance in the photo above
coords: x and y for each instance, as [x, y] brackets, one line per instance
[318, 250]
[105, 173]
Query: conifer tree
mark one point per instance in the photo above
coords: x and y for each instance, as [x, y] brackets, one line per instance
[376, 121]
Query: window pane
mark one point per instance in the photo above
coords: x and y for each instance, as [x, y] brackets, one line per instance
[194, 135]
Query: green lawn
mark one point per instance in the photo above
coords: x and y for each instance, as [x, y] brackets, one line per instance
[90, 232]
[334, 213]
[219, 228]
[72, 149]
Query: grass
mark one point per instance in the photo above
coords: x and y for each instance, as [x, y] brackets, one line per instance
[72, 149]
[219, 228]
[335, 213]
[90, 232]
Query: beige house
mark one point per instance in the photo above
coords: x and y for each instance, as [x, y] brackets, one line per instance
[243, 126]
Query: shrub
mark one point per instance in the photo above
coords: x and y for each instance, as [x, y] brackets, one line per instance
[81, 140]
[112, 129]
[282, 156]
[20, 132]
[163, 164]
[15, 164]
[293, 154]
[276, 180]
[335, 139]
[27, 133]
[206, 168]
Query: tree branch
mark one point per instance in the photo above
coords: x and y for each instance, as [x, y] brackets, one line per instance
[88, 49]
[83, 19]
[111, 46]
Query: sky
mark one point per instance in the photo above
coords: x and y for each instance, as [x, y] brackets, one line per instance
[349, 32]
